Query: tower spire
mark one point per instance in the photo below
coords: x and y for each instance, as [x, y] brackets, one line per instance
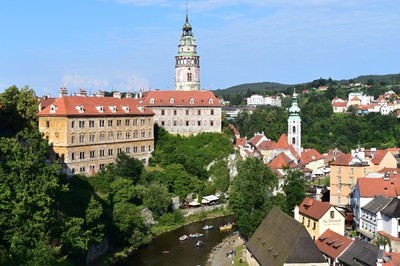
[294, 125]
[187, 13]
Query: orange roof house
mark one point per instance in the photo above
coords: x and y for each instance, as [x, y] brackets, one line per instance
[318, 216]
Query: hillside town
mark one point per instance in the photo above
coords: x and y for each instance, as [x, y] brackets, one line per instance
[354, 219]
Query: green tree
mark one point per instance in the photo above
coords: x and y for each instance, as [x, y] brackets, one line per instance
[127, 167]
[251, 194]
[28, 185]
[155, 196]
[294, 188]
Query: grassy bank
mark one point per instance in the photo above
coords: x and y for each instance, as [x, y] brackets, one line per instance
[201, 216]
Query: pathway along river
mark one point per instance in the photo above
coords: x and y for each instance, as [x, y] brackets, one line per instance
[167, 249]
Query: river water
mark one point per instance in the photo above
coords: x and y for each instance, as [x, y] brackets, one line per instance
[167, 249]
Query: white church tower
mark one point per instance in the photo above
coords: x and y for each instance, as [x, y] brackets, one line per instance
[187, 65]
[294, 125]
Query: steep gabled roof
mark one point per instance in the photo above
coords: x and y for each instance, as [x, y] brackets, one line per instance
[180, 99]
[282, 142]
[280, 239]
[378, 156]
[90, 106]
[332, 244]
[313, 208]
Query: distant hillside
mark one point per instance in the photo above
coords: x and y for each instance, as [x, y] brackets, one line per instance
[388, 79]
[260, 87]
[254, 87]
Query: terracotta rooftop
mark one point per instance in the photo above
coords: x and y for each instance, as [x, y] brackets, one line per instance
[332, 244]
[266, 145]
[378, 156]
[345, 159]
[280, 161]
[310, 155]
[339, 104]
[370, 187]
[282, 142]
[313, 208]
[181, 98]
[94, 106]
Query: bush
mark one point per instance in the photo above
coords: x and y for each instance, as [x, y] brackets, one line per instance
[169, 219]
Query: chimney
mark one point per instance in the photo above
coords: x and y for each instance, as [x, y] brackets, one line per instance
[296, 212]
[63, 92]
[82, 93]
[117, 94]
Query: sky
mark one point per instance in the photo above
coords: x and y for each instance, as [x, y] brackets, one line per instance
[130, 45]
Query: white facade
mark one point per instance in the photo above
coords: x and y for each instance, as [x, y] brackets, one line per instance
[256, 99]
[294, 126]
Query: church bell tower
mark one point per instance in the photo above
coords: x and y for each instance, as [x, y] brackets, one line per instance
[294, 125]
[187, 62]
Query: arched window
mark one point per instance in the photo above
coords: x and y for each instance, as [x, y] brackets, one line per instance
[293, 141]
[294, 129]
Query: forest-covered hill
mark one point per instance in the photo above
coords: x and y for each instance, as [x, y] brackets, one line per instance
[260, 87]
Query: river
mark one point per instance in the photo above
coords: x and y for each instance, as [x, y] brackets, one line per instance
[167, 249]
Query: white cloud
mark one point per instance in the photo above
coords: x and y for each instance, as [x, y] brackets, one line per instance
[77, 81]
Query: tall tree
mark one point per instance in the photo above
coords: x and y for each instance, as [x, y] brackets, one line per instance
[29, 186]
[251, 194]
[294, 188]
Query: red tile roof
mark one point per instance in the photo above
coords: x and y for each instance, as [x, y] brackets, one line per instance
[355, 98]
[313, 208]
[254, 140]
[310, 155]
[46, 102]
[378, 156]
[332, 244]
[339, 104]
[371, 187]
[280, 161]
[282, 143]
[345, 159]
[266, 145]
[241, 142]
[181, 99]
[69, 105]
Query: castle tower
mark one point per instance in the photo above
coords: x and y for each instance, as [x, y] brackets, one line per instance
[294, 125]
[187, 65]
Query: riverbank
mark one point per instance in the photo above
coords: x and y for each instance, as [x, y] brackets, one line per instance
[228, 252]
[109, 259]
[197, 217]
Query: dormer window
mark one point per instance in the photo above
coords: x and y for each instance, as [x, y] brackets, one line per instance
[210, 101]
[80, 108]
[113, 108]
[152, 100]
[100, 108]
[171, 100]
[125, 108]
[140, 108]
[53, 108]
[191, 101]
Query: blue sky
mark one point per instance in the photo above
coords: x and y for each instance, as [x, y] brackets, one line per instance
[130, 45]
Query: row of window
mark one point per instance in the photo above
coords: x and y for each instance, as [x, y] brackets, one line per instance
[351, 170]
[351, 180]
[110, 136]
[175, 112]
[110, 152]
[111, 122]
[187, 123]
[92, 168]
